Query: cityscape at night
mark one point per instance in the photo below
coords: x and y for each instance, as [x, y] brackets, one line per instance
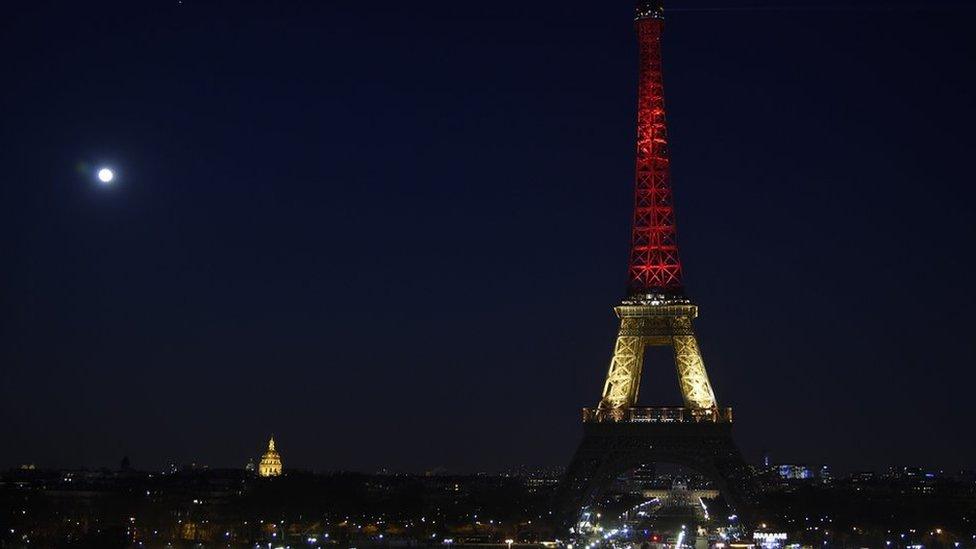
[192, 505]
[321, 274]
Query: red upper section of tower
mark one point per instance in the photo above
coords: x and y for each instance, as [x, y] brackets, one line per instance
[654, 264]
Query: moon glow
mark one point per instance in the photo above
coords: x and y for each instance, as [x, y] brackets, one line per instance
[106, 175]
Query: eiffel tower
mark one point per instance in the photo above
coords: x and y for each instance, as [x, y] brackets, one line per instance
[618, 435]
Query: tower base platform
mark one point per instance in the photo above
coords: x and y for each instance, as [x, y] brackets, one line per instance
[610, 448]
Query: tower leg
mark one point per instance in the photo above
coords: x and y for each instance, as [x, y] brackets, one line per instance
[623, 379]
[695, 387]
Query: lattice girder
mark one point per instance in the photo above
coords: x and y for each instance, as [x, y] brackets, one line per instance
[654, 264]
[610, 449]
[623, 379]
[658, 325]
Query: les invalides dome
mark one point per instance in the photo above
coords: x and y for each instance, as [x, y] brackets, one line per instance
[270, 465]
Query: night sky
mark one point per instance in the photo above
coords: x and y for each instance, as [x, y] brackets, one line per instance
[391, 234]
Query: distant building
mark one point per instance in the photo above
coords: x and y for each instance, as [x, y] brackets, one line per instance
[790, 473]
[644, 477]
[824, 474]
[270, 465]
[864, 477]
[794, 472]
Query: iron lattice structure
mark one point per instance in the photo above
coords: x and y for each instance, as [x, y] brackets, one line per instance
[655, 312]
[654, 264]
[642, 325]
[617, 434]
[610, 449]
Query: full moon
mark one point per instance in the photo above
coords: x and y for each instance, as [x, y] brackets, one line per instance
[105, 175]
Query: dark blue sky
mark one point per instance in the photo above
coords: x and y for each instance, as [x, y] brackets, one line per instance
[391, 233]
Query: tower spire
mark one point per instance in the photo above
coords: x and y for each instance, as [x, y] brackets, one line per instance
[649, 8]
[654, 266]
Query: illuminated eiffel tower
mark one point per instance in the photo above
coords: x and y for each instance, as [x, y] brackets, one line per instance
[618, 435]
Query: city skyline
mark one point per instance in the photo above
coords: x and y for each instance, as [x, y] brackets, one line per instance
[325, 225]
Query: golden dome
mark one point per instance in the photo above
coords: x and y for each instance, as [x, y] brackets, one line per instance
[270, 465]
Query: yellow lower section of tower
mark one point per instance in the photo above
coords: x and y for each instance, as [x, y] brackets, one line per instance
[644, 325]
